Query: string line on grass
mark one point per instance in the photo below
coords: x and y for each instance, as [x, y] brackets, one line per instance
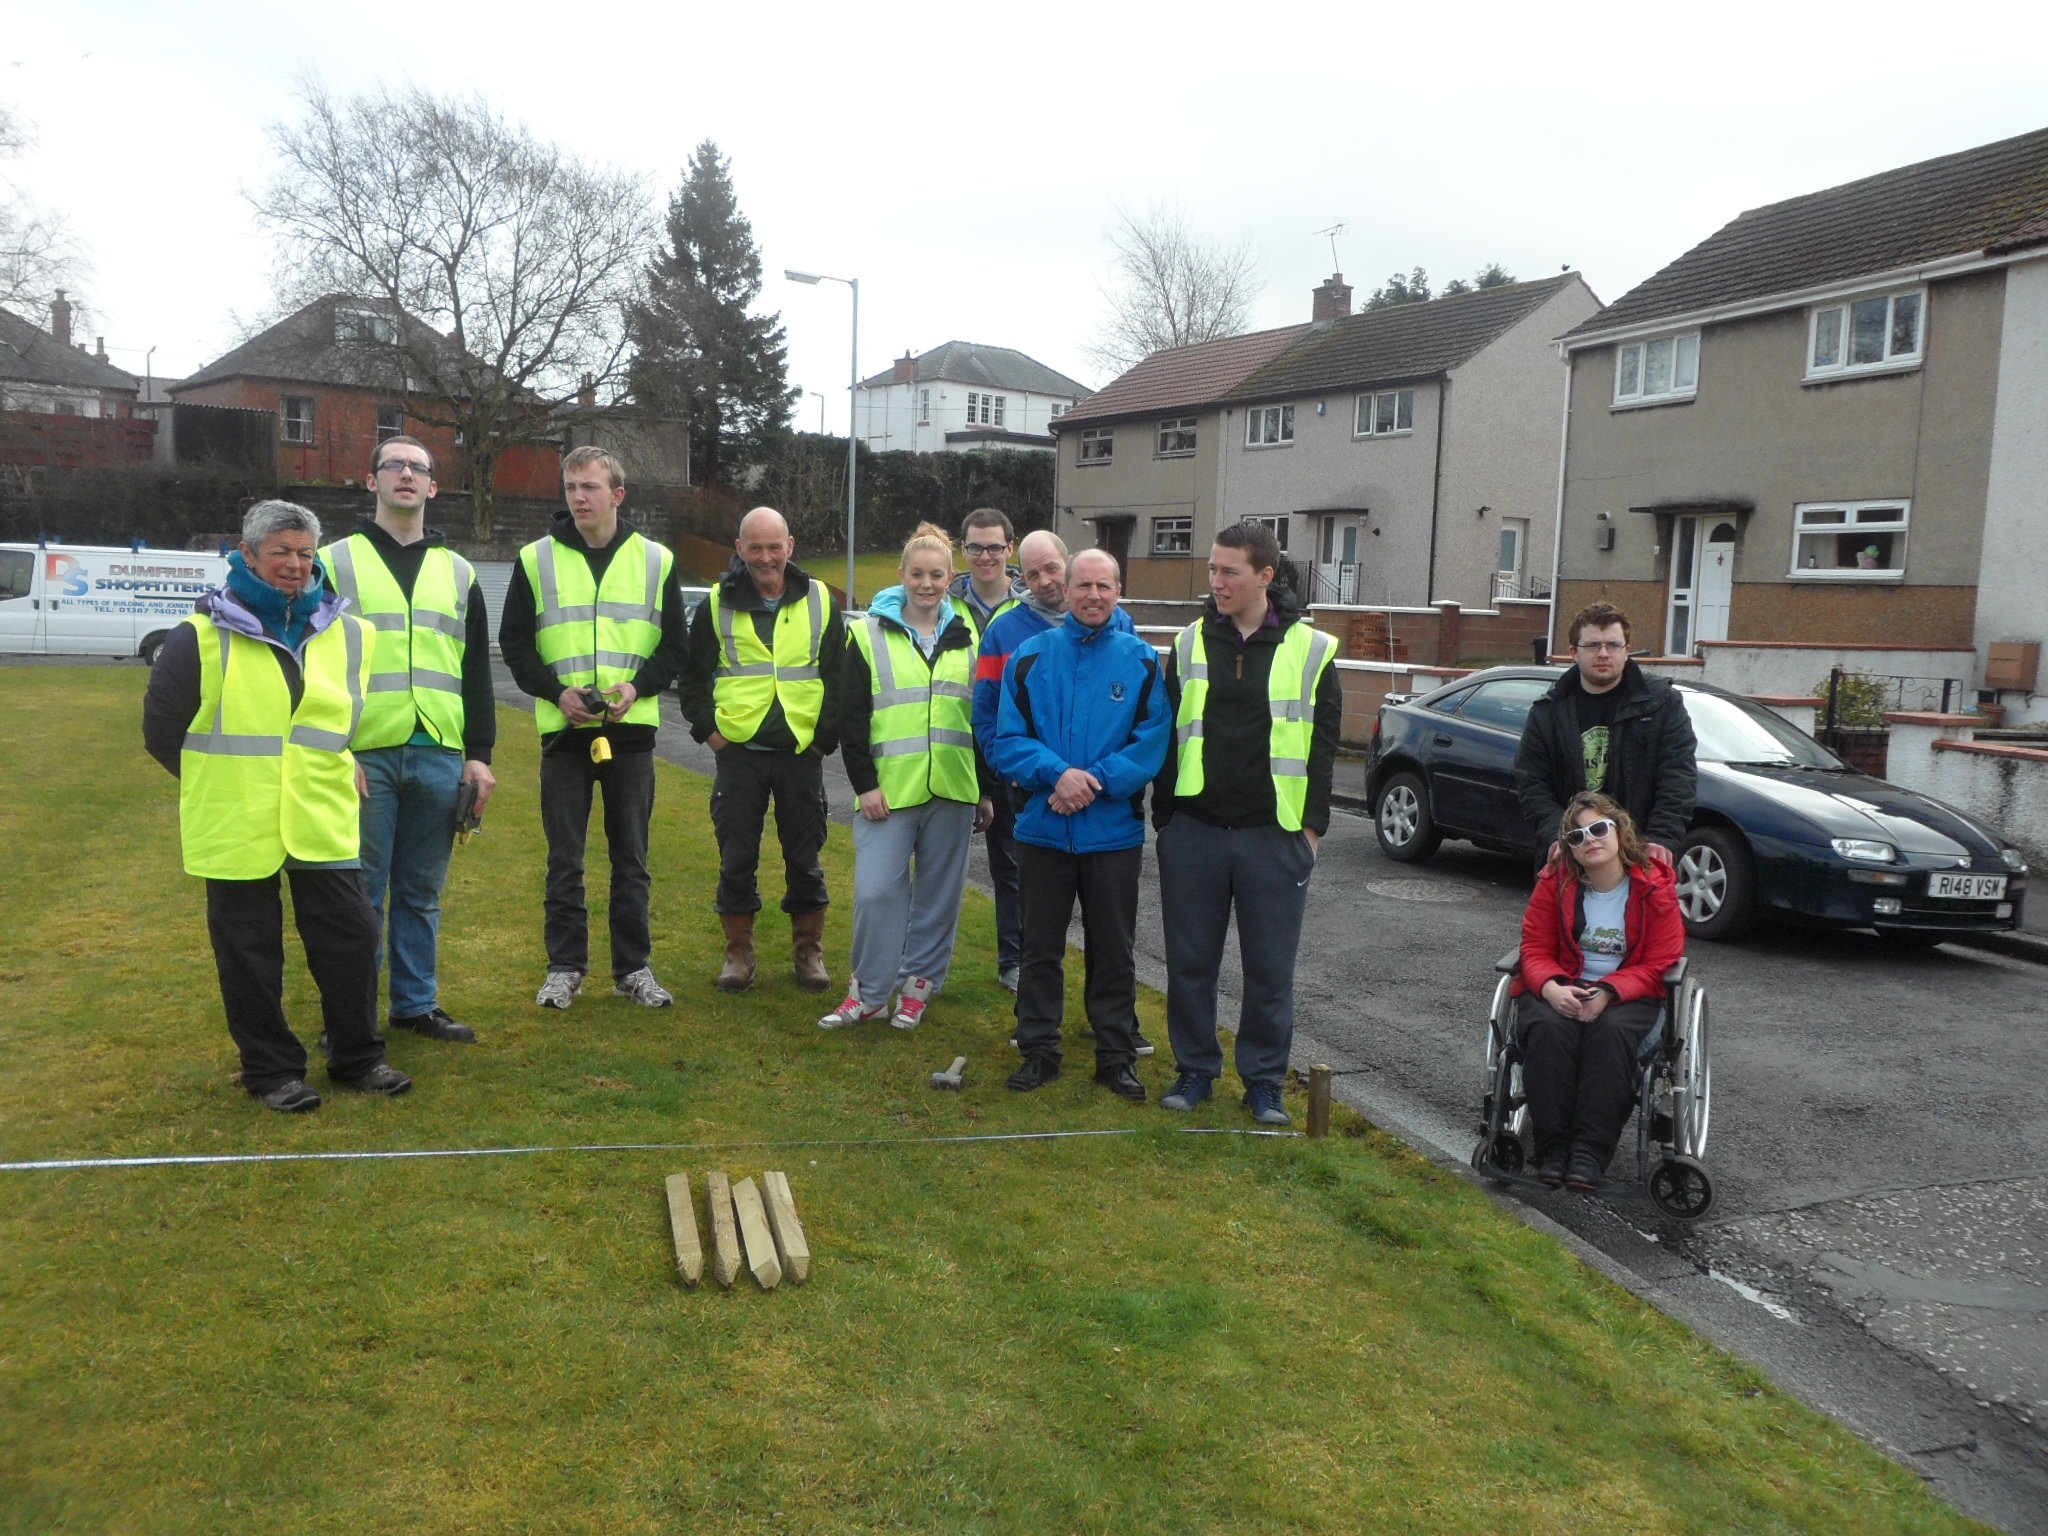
[208, 1158]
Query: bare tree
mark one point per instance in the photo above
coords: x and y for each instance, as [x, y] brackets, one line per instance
[38, 253]
[1169, 288]
[516, 260]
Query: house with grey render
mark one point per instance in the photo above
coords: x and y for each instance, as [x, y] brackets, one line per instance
[1828, 423]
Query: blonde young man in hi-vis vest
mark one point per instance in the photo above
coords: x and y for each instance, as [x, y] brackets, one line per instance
[1240, 807]
[429, 722]
[593, 630]
[762, 687]
[251, 704]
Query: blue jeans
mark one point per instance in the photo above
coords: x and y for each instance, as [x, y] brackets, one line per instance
[408, 833]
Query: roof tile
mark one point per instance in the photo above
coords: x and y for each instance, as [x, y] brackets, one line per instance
[1183, 378]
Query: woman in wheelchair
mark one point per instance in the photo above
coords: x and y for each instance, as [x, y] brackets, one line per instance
[1601, 929]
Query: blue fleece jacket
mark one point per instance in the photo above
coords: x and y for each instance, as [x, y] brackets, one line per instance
[1075, 697]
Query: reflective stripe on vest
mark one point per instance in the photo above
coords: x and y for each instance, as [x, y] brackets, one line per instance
[922, 732]
[591, 633]
[749, 677]
[1298, 663]
[259, 780]
[416, 666]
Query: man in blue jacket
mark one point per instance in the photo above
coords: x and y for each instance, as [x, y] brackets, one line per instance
[1082, 726]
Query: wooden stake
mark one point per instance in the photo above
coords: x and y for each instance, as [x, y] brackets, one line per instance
[1318, 1101]
[683, 1223]
[746, 1200]
[791, 1246]
[725, 1242]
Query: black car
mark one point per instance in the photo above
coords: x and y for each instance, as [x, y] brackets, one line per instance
[1782, 828]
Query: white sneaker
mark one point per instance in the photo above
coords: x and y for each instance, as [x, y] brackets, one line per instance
[910, 1003]
[1006, 978]
[644, 989]
[560, 989]
[849, 1012]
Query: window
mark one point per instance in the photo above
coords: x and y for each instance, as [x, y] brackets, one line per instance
[1391, 410]
[1268, 426]
[1176, 437]
[298, 418]
[1850, 541]
[1650, 372]
[17, 573]
[1505, 705]
[1096, 444]
[1866, 335]
[1001, 401]
[363, 325]
[1277, 526]
[1173, 535]
[390, 422]
[924, 407]
[1056, 412]
[985, 410]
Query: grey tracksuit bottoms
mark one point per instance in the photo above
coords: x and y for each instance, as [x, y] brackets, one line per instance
[909, 873]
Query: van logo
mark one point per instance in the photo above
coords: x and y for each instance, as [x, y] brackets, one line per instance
[65, 568]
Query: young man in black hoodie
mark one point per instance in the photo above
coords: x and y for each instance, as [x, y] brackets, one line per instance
[594, 615]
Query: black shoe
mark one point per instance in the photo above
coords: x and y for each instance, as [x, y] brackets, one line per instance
[436, 1025]
[1036, 1072]
[382, 1078]
[1583, 1173]
[289, 1098]
[1121, 1081]
[1145, 1047]
[1550, 1170]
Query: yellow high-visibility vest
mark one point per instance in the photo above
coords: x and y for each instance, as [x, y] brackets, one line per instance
[1298, 664]
[922, 731]
[416, 665]
[749, 677]
[596, 634]
[259, 780]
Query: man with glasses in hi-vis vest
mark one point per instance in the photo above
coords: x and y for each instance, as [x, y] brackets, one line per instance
[1240, 808]
[428, 724]
[594, 631]
[762, 688]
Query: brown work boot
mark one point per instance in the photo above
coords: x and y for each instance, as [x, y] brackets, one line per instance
[807, 929]
[737, 974]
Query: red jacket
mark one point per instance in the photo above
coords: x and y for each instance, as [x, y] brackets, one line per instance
[1550, 934]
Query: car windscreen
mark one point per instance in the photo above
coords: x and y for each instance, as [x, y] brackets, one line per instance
[1737, 731]
[1504, 703]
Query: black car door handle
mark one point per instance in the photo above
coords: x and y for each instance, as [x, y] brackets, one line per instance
[1441, 739]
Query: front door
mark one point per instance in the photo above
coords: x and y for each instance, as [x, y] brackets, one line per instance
[1702, 582]
[1716, 582]
[1337, 559]
[1114, 535]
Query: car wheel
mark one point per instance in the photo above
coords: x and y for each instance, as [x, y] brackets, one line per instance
[1716, 884]
[149, 649]
[1407, 831]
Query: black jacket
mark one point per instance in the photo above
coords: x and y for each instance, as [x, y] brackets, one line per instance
[737, 591]
[1650, 757]
[1237, 727]
[857, 706]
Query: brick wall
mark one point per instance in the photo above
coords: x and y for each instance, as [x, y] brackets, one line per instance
[31, 438]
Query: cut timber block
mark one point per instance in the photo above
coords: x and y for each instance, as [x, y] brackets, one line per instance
[791, 1246]
[683, 1222]
[725, 1240]
[746, 1201]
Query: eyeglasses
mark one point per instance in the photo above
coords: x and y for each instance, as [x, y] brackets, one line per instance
[405, 466]
[1592, 646]
[1578, 837]
[976, 551]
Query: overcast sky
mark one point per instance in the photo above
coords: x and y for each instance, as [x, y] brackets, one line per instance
[965, 161]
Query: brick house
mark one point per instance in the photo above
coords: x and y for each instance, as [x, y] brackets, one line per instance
[60, 405]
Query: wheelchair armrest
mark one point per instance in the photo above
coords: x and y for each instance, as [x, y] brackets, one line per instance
[1511, 962]
[1676, 974]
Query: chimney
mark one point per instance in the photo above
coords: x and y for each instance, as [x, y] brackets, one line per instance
[60, 319]
[587, 395]
[1332, 300]
[99, 349]
[906, 369]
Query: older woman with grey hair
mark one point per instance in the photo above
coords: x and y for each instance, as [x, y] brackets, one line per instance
[251, 705]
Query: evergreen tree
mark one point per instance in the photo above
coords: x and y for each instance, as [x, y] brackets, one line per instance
[698, 353]
[1412, 289]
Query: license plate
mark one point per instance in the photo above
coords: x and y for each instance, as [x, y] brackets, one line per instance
[1966, 887]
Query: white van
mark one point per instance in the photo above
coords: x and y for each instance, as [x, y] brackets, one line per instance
[83, 600]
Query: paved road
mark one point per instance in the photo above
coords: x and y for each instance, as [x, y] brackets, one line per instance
[1880, 1245]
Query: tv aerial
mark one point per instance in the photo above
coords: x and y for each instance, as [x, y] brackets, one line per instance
[1333, 232]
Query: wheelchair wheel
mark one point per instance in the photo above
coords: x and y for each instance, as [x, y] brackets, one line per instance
[1681, 1188]
[1692, 1085]
[1500, 1020]
[1499, 1154]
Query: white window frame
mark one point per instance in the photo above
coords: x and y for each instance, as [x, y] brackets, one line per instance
[1269, 426]
[924, 407]
[1632, 366]
[1899, 526]
[365, 325]
[1365, 414]
[1276, 524]
[1097, 445]
[1843, 313]
[1183, 428]
[287, 422]
[1055, 412]
[1173, 538]
[1002, 403]
[384, 433]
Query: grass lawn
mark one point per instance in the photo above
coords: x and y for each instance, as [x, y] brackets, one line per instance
[1150, 1332]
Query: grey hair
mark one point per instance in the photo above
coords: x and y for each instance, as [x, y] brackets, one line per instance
[268, 517]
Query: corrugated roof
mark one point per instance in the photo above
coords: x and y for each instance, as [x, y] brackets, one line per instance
[1403, 341]
[305, 346]
[1993, 198]
[971, 362]
[32, 355]
[1182, 378]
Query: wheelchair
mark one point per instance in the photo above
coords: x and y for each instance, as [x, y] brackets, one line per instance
[1674, 1099]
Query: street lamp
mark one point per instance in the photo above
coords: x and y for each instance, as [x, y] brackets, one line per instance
[812, 279]
[821, 408]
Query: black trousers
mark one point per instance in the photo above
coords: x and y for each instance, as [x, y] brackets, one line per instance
[567, 779]
[1048, 881]
[740, 793]
[336, 923]
[1001, 841]
[1581, 1079]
